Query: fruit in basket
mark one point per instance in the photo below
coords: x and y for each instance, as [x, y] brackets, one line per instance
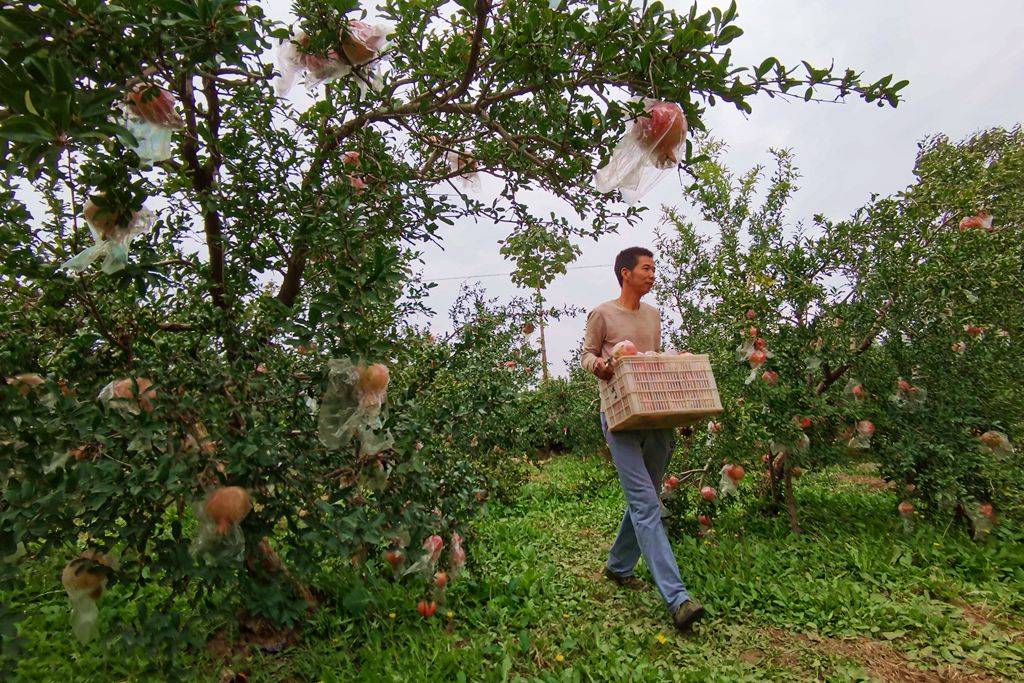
[624, 348]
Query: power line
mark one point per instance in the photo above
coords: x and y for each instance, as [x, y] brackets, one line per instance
[475, 277]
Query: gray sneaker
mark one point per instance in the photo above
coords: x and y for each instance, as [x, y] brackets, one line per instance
[687, 614]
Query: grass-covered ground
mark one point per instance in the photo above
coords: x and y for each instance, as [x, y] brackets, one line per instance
[855, 598]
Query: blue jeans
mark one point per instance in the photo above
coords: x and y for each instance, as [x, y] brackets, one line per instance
[641, 457]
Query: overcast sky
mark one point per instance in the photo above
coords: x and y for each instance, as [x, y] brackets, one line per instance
[964, 63]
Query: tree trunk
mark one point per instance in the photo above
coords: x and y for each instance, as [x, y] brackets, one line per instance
[794, 525]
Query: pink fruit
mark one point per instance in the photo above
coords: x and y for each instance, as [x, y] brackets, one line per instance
[973, 330]
[865, 427]
[771, 377]
[751, 314]
[350, 159]
[704, 520]
[154, 105]
[906, 508]
[672, 482]
[624, 348]
[736, 472]
[440, 579]
[665, 129]
[986, 509]
[760, 343]
[708, 493]
[716, 427]
[510, 364]
[904, 385]
[757, 358]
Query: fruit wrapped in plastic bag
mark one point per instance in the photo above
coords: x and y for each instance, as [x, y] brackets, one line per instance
[351, 406]
[907, 394]
[982, 518]
[654, 143]
[361, 43]
[150, 117]
[624, 348]
[670, 487]
[862, 434]
[906, 509]
[996, 442]
[456, 556]
[464, 165]
[427, 562]
[85, 580]
[980, 221]
[112, 231]
[855, 390]
[219, 537]
[731, 475]
[129, 394]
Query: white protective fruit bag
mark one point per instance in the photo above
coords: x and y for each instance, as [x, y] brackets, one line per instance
[351, 407]
[149, 115]
[112, 235]
[653, 144]
[361, 44]
[465, 165]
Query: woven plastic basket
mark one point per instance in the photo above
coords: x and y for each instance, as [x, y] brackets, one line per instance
[654, 392]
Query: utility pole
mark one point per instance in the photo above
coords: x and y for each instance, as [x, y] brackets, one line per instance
[543, 346]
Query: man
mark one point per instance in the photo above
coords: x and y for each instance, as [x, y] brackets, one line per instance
[640, 456]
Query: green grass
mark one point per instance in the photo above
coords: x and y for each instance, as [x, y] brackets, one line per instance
[855, 598]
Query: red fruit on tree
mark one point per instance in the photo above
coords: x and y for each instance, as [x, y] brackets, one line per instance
[906, 508]
[350, 159]
[771, 377]
[805, 423]
[440, 579]
[704, 520]
[986, 509]
[716, 427]
[708, 493]
[767, 457]
[751, 314]
[757, 358]
[510, 364]
[866, 427]
[736, 472]
[426, 609]
[672, 482]
[973, 330]
[760, 343]
[905, 385]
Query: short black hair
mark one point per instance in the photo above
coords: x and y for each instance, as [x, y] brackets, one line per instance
[627, 259]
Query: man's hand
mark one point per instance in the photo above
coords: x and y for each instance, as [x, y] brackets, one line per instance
[603, 370]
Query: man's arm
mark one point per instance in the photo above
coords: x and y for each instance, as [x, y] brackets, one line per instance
[593, 341]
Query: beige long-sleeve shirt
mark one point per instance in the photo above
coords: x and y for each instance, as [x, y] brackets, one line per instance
[609, 323]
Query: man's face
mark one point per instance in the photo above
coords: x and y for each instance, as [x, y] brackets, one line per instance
[642, 275]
